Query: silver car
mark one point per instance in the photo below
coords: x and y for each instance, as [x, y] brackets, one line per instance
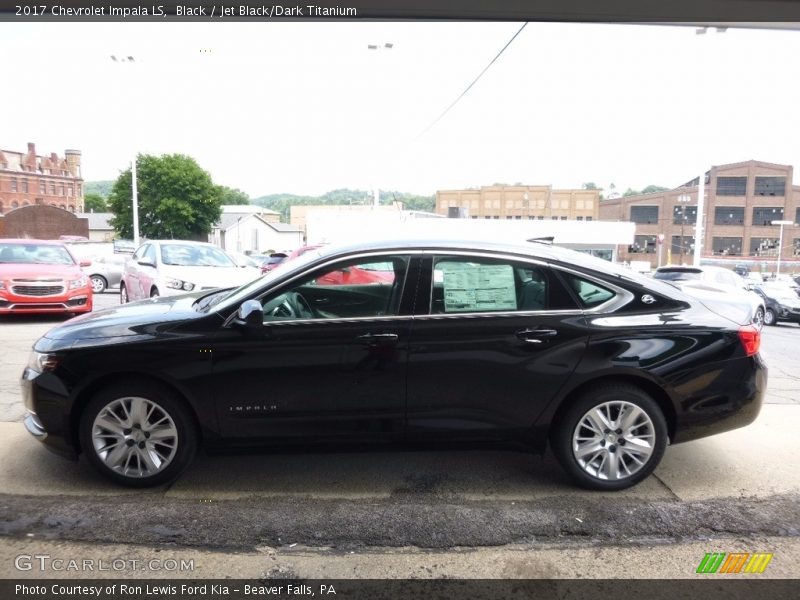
[171, 267]
[106, 271]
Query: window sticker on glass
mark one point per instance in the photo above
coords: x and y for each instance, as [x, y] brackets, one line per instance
[472, 287]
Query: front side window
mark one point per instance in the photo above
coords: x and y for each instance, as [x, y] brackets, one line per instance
[357, 288]
[470, 285]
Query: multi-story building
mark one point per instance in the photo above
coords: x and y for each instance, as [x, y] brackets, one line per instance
[27, 179]
[742, 200]
[519, 202]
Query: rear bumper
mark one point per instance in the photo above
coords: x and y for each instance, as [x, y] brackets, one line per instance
[735, 404]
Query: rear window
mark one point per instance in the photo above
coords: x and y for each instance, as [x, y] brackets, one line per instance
[677, 275]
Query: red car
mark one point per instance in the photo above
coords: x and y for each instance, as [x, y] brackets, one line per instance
[38, 276]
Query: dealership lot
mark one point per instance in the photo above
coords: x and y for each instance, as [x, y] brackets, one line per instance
[741, 485]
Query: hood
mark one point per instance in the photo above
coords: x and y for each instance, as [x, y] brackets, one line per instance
[212, 277]
[147, 317]
[38, 271]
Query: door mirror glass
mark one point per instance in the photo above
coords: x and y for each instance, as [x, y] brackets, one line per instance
[145, 263]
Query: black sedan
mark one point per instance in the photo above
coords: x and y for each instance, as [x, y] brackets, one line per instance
[468, 343]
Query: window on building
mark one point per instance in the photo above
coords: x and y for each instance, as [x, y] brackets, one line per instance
[42, 187]
[24, 186]
[13, 184]
[518, 217]
[725, 246]
[71, 190]
[795, 244]
[61, 189]
[80, 189]
[763, 246]
[770, 186]
[1, 208]
[644, 214]
[643, 244]
[15, 204]
[52, 189]
[683, 213]
[729, 215]
[554, 218]
[765, 215]
[682, 245]
[540, 217]
[797, 216]
[731, 186]
[589, 218]
[579, 218]
[563, 218]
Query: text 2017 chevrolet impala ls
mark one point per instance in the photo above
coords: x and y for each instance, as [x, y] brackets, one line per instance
[469, 342]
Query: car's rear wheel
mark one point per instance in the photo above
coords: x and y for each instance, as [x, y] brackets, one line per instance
[769, 317]
[611, 437]
[99, 284]
[123, 294]
[138, 434]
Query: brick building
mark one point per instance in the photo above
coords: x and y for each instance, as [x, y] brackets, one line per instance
[741, 201]
[27, 179]
[519, 202]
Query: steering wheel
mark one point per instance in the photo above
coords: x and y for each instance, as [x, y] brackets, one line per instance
[293, 306]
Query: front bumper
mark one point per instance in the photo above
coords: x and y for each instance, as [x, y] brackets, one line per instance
[73, 301]
[47, 420]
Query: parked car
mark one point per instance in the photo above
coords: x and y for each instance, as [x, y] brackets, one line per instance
[242, 260]
[273, 260]
[717, 286]
[106, 271]
[782, 303]
[516, 346]
[170, 267]
[38, 276]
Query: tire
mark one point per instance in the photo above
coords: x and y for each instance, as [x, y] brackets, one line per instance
[758, 318]
[649, 428]
[769, 317]
[123, 294]
[154, 293]
[101, 434]
[99, 284]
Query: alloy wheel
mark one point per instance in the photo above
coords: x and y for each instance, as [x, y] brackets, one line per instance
[98, 284]
[613, 440]
[134, 437]
[769, 317]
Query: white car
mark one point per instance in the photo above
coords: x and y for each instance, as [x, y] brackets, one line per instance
[717, 285]
[171, 267]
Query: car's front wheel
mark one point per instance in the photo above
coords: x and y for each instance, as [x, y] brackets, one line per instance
[138, 434]
[611, 437]
[769, 317]
[99, 284]
[123, 294]
[758, 318]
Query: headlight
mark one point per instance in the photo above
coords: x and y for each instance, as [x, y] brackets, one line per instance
[179, 284]
[78, 283]
[42, 361]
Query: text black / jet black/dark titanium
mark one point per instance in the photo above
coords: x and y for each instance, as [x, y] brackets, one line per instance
[401, 342]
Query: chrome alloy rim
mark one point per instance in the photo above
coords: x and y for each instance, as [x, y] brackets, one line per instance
[97, 285]
[135, 437]
[613, 440]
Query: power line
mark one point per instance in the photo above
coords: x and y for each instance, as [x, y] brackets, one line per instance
[469, 87]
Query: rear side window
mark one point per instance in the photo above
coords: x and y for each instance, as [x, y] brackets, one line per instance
[589, 293]
[469, 285]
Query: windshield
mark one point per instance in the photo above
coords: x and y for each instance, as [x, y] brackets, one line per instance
[189, 255]
[42, 254]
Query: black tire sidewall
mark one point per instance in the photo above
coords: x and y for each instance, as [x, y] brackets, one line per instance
[185, 424]
[561, 438]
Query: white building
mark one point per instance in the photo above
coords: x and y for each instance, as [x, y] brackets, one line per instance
[253, 229]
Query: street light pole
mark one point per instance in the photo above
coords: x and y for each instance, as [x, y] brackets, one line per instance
[780, 244]
[134, 190]
[698, 226]
[683, 199]
[376, 198]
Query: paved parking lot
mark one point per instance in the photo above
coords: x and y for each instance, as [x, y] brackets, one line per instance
[740, 487]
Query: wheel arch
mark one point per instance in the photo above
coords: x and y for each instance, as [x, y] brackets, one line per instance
[86, 393]
[651, 388]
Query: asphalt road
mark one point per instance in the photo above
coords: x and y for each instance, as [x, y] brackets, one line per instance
[406, 514]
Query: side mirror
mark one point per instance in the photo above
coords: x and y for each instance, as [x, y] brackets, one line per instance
[251, 313]
[85, 263]
[146, 263]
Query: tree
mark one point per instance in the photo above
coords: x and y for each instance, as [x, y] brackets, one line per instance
[177, 198]
[94, 203]
[590, 185]
[652, 189]
[232, 196]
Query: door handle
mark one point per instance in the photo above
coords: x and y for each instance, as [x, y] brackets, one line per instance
[535, 336]
[378, 339]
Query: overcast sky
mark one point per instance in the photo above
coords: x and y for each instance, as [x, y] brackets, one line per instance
[306, 107]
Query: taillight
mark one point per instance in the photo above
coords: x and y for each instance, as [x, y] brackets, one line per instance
[750, 338]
